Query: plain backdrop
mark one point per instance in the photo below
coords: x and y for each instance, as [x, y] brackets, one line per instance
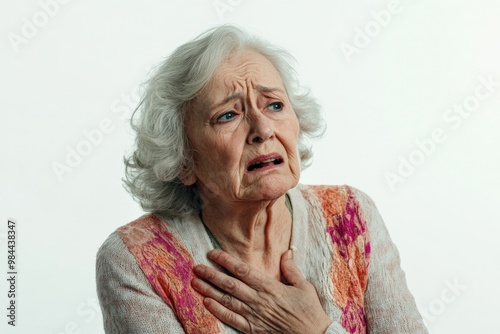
[391, 77]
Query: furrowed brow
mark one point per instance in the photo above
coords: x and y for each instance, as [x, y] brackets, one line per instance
[230, 98]
[264, 89]
[235, 96]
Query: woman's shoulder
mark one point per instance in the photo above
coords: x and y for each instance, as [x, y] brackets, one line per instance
[115, 247]
[336, 197]
[141, 230]
[128, 239]
[346, 212]
[154, 240]
[147, 231]
[112, 248]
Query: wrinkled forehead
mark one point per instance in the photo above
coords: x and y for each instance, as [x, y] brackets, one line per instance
[242, 72]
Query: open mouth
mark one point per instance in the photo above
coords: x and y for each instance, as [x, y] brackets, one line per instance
[264, 163]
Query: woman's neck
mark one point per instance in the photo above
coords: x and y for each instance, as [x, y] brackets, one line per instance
[256, 232]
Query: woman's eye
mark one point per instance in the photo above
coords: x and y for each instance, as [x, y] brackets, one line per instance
[275, 106]
[226, 117]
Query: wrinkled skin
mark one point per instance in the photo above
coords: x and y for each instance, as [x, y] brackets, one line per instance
[244, 134]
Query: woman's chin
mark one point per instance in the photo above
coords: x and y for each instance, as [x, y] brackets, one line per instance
[269, 188]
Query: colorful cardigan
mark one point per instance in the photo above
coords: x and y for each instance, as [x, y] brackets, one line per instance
[342, 247]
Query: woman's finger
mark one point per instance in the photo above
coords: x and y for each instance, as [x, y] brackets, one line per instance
[231, 285]
[221, 304]
[226, 315]
[289, 270]
[221, 297]
[207, 290]
[240, 269]
[252, 301]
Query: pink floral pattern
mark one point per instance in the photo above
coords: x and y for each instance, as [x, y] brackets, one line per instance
[168, 266]
[346, 226]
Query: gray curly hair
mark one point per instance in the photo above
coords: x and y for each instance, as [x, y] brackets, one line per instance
[162, 151]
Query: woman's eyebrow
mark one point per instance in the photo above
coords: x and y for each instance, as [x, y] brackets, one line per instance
[230, 98]
[264, 89]
[235, 96]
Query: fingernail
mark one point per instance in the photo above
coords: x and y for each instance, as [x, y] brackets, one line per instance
[199, 269]
[212, 254]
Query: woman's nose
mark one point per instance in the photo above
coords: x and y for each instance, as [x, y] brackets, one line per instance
[260, 129]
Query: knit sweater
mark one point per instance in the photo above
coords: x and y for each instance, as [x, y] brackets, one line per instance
[341, 246]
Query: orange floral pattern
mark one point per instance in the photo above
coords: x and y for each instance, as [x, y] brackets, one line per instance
[169, 268]
[168, 265]
[346, 227]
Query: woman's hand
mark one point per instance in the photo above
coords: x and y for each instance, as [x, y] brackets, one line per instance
[253, 302]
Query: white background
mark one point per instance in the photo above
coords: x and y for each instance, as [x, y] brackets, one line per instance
[80, 67]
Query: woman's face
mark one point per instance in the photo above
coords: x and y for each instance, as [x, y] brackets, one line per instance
[244, 133]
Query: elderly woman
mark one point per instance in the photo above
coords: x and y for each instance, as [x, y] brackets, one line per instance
[232, 242]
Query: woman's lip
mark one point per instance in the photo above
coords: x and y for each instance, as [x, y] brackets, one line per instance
[264, 157]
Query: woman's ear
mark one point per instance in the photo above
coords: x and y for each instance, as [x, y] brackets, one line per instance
[188, 178]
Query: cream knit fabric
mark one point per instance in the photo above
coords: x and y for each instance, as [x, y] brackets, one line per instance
[340, 245]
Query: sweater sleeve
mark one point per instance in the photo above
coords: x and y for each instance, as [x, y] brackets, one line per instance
[389, 306]
[128, 302]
